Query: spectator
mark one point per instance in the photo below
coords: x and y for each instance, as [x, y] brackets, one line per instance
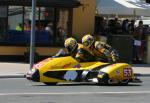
[131, 27]
[146, 29]
[125, 26]
[98, 25]
[27, 25]
[117, 26]
[111, 26]
[49, 28]
[103, 27]
[138, 36]
[61, 34]
[19, 27]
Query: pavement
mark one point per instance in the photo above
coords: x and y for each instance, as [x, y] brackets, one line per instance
[19, 70]
[13, 70]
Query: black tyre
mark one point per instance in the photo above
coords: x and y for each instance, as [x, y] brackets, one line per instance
[104, 80]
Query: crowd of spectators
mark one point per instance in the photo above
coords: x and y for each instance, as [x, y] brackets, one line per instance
[115, 26]
[45, 26]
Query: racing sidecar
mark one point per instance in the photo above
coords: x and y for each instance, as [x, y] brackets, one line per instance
[66, 69]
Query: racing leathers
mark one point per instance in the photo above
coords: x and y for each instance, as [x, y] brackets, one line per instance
[81, 54]
[102, 50]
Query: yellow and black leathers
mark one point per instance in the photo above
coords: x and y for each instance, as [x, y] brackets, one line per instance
[103, 50]
[80, 53]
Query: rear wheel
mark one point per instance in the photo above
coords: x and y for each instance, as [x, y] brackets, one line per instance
[104, 80]
[49, 83]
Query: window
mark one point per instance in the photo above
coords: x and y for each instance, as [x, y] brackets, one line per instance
[51, 25]
[15, 16]
[62, 25]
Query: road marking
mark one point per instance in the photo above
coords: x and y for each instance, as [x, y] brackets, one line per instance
[78, 93]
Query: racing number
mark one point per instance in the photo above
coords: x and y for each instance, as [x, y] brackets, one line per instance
[127, 72]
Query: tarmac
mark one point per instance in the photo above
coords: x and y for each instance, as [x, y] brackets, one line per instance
[19, 70]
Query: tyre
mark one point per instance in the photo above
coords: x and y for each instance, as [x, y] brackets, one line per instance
[104, 80]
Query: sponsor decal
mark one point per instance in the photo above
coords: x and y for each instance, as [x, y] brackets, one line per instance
[40, 64]
[117, 72]
[109, 66]
[70, 75]
[66, 65]
[113, 65]
[77, 66]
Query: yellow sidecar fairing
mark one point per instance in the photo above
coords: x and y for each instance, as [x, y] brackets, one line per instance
[121, 73]
[67, 69]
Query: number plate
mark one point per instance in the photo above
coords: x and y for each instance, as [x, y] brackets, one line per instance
[127, 72]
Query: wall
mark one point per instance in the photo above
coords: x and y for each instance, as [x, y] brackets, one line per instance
[83, 18]
[148, 49]
[20, 50]
[83, 22]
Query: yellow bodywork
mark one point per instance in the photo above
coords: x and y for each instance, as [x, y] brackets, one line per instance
[62, 64]
[115, 71]
[118, 72]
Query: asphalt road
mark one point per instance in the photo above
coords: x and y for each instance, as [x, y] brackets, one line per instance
[24, 91]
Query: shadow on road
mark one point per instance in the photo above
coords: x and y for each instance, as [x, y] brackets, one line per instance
[88, 84]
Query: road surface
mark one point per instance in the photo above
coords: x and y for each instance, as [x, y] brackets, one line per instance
[24, 91]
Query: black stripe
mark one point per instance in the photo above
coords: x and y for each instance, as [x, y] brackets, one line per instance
[60, 74]
[101, 66]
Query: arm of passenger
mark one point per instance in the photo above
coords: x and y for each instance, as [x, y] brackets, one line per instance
[61, 53]
[80, 56]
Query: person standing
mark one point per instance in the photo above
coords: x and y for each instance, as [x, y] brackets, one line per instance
[19, 27]
[138, 37]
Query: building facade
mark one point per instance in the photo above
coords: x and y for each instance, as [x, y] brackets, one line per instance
[65, 18]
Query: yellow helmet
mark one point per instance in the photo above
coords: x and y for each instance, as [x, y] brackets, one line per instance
[70, 44]
[88, 40]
